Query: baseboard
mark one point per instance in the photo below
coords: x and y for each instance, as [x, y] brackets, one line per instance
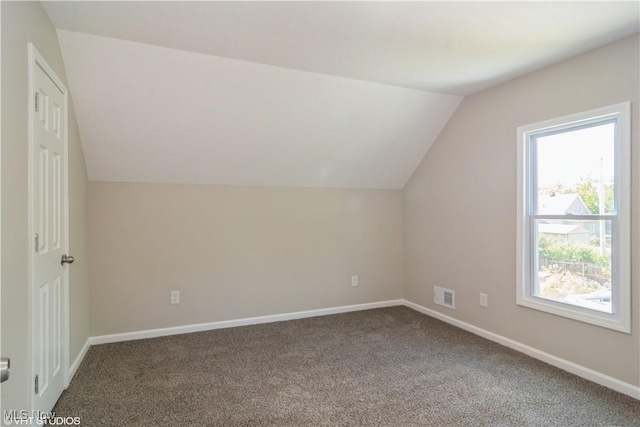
[581, 371]
[78, 360]
[152, 333]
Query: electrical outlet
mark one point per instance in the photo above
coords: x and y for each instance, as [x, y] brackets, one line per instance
[354, 280]
[175, 297]
[483, 300]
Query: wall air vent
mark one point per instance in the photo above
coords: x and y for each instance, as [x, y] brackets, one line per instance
[444, 297]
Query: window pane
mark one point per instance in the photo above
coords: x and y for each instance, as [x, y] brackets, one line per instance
[574, 265]
[575, 171]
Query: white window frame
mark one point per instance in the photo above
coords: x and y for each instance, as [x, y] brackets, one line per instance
[620, 319]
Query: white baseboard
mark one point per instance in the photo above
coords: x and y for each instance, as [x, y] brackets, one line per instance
[581, 371]
[574, 368]
[78, 360]
[152, 333]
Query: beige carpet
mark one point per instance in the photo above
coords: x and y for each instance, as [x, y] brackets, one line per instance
[391, 367]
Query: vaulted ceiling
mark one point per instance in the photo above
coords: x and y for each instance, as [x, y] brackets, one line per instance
[320, 94]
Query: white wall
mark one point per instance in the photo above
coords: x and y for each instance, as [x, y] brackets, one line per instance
[24, 22]
[236, 252]
[460, 208]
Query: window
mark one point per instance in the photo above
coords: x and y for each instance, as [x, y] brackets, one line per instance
[574, 217]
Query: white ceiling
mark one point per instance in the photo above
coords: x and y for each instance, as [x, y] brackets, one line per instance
[448, 46]
[319, 94]
[153, 114]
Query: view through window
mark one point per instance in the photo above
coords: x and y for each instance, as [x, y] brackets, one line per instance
[575, 179]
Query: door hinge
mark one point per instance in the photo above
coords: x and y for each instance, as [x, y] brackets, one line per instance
[37, 101]
[37, 388]
[37, 243]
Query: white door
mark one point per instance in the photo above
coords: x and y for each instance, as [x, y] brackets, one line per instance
[48, 225]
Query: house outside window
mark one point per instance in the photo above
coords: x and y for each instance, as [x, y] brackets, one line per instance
[573, 249]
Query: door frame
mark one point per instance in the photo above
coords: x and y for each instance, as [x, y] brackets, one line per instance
[37, 60]
[1, 354]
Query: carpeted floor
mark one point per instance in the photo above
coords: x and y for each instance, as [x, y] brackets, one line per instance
[384, 367]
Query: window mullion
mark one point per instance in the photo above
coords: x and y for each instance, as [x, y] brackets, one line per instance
[607, 217]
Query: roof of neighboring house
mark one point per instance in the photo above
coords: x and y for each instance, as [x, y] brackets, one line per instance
[561, 229]
[561, 204]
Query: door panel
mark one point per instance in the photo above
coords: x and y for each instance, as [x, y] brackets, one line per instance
[48, 275]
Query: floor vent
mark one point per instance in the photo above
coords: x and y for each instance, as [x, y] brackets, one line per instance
[445, 297]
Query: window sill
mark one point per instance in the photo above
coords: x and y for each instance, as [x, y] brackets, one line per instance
[592, 317]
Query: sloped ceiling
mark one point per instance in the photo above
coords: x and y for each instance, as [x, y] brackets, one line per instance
[455, 47]
[152, 114]
[297, 93]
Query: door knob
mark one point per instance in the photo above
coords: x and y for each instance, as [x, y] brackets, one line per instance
[66, 259]
[5, 364]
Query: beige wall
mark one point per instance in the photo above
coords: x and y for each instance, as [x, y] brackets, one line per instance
[24, 22]
[460, 208]
[236, 252]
